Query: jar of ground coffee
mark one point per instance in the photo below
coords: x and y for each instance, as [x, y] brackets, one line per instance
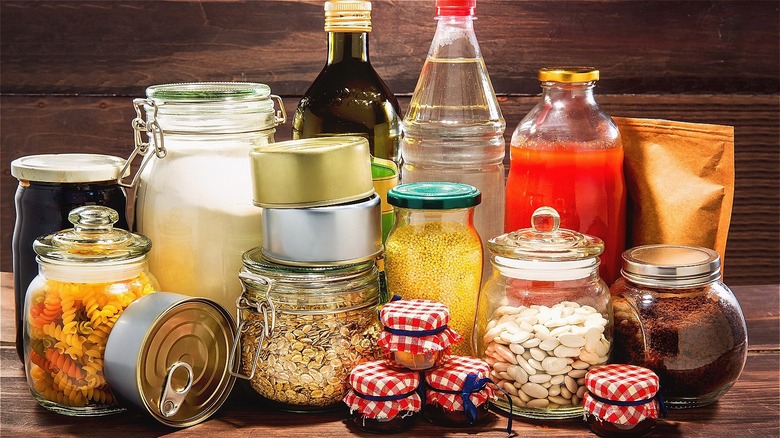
[674, 316]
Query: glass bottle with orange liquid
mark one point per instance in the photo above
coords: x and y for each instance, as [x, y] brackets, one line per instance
[567, 154]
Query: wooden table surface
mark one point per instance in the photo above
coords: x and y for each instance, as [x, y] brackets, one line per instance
[750, 408]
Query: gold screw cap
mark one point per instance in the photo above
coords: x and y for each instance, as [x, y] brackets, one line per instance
[568, 74]
[347, 16]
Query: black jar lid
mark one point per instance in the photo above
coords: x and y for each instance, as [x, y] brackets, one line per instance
[674, 266]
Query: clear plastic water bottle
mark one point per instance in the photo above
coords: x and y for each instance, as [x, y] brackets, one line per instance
[453, 129]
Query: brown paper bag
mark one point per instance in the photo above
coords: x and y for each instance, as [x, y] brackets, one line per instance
[680, 182]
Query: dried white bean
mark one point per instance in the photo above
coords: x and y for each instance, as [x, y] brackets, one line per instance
[538, 403]
[539, 378]
[570, 340]
[534, 390]
[538, 354]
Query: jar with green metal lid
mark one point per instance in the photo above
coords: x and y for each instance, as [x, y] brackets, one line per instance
[87, 276]
[433, 251]
[194, 194]
[303, 328]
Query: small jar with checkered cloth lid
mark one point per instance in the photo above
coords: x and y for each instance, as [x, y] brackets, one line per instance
[457, 392]
[383, 399]
[416, 334]
[622, 400]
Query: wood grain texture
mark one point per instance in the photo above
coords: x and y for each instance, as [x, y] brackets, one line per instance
[47, 124]
[644, 46]
[751, 406]
[68, 71]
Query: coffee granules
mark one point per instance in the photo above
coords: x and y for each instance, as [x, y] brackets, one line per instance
[692, 338]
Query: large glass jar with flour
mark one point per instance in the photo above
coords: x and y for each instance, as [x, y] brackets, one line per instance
[544, 318]
[194, 195]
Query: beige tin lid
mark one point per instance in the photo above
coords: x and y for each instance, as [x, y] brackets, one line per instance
[311, 172]
[67, 168]
[168, 354]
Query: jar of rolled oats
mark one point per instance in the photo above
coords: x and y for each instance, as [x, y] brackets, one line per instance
[303, 328]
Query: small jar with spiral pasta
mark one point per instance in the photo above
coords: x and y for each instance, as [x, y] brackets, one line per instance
[87, 276]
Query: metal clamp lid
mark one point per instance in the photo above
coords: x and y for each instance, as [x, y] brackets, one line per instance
[156, 141]
[262, 307]
[151, 126]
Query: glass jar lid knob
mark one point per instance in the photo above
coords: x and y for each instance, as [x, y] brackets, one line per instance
[546, 241]
[545, 219]
[95, 219]
[93, 238]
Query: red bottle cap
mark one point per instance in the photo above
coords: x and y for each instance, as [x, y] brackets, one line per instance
[457, 8]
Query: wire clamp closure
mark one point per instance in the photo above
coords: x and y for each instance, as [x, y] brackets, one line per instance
[154, 134]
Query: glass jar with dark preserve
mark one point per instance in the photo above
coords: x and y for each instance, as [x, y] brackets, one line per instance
[622, 400]
[50, 186]
[674, 316]
[457, 393]
[383, 399]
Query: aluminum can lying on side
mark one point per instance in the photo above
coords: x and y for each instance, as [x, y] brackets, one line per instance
[168, 355]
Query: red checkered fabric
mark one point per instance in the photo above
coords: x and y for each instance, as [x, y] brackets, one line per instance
[625, 383]
[451, 376]
[416, 316]
[375, 379]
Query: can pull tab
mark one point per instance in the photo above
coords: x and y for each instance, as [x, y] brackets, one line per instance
[154, 134]
[173, 393]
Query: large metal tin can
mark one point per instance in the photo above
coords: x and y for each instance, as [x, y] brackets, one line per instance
[168, 355]
[331, 235]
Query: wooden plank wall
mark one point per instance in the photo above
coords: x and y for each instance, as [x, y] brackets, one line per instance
[69, 70]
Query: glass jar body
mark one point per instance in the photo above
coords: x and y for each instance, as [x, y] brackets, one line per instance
[67, 323]
[611, 430]
[693, 338]
[401, 422]
[437, 255]
[322, 328]
[415, 362]
[196, 205]
[567, 154]
[540, 332]
[436, 414]
[42, 208]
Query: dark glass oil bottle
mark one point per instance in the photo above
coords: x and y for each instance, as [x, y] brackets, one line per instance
[348, 96]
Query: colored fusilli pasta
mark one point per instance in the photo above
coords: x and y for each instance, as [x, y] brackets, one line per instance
[68, 325]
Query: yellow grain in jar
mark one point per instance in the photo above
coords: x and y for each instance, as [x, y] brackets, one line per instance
[433, 251]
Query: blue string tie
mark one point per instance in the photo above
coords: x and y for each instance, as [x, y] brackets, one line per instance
[657, 396]
[416, 333]
[385, 398]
